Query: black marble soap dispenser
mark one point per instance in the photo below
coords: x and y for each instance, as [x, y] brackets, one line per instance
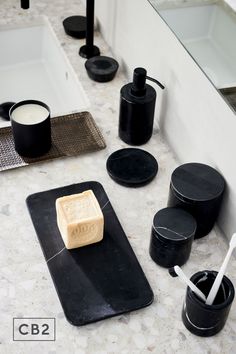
[137, 107]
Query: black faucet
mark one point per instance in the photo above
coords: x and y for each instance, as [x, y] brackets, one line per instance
[25, 4]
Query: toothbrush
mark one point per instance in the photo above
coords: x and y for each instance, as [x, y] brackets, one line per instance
[177, 271]
[216, 285]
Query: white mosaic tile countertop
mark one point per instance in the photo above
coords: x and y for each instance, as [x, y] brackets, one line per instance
[27, 289]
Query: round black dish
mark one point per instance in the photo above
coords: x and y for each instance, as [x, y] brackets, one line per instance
[75, 26]
[172, 235]
[132, 167]
[5, 108]
[198, 189]
[101, 68]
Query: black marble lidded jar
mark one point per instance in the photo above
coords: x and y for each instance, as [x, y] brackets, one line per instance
[207, 320]
[172, 235]
[198, 189]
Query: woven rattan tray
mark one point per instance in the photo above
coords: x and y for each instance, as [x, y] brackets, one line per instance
[72, 135]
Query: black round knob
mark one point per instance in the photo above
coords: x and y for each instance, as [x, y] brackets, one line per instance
[4, 109]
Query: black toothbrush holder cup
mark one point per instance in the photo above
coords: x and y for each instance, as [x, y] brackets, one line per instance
[202, 319]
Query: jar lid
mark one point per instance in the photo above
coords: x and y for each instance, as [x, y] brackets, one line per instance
[173, 225]
[197, 182]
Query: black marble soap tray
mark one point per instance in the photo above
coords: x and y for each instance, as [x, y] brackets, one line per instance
[72, 135]
[96, 281]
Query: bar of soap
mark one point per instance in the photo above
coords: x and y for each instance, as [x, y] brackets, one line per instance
[79, 219]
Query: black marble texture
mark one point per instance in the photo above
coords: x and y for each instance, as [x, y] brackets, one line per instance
[172, 236]
[132, 167]
[198, 189]
[101, 68]
[96, 281]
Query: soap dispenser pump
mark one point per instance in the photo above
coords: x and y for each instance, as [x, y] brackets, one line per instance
[137, 107]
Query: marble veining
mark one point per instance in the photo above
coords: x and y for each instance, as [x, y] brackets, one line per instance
[26, 288]
[55, 255]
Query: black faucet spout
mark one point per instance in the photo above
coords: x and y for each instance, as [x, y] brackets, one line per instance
[25, 4]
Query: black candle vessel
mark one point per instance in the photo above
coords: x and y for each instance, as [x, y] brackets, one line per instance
[31, 131]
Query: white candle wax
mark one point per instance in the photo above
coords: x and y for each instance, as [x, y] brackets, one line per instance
[29, 114]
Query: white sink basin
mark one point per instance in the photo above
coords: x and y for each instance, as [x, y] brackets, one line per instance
[34, 66]
[208, 32]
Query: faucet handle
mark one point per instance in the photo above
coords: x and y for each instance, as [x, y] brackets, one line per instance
[25, 4]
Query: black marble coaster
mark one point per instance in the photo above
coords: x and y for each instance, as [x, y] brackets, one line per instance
[96, 281]
[132, 167]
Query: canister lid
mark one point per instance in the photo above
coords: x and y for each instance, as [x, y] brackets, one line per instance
[197, 182]
[173, 225]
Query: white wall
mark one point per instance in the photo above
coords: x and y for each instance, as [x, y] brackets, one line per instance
[197, 123]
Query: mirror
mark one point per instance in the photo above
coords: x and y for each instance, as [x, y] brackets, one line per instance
[207, 29]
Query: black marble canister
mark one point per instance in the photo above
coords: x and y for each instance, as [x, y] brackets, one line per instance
[198, 189]
[172, 235]
[207, 320]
